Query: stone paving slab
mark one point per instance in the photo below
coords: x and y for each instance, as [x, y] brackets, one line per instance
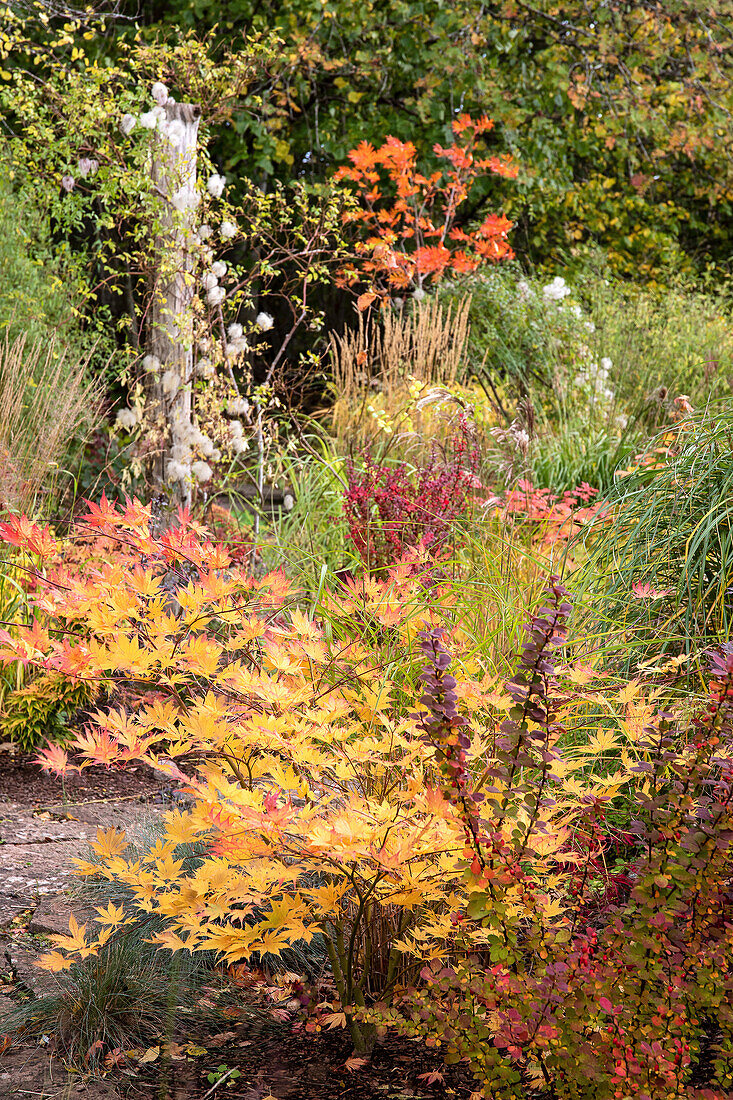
[37, 850]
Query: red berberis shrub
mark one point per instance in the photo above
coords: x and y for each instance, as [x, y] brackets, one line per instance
[391, 508]
[624, 997]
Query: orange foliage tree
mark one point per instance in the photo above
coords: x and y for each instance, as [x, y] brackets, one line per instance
[408, 218]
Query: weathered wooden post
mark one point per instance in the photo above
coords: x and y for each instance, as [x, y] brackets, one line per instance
[170, 321]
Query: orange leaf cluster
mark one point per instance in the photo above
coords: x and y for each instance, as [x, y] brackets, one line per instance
[407, 218]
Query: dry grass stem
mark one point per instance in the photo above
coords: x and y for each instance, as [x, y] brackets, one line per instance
[381, 361]
[44, 403]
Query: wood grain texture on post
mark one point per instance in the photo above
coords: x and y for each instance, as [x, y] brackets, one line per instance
[170, 323]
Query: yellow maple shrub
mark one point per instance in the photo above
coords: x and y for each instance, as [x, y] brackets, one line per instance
[315, 797]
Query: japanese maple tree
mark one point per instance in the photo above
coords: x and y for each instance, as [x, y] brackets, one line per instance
[408, 219]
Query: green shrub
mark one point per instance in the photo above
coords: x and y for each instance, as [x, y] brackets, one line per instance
[35, 300]
[624, 991]
[676, 340]
[42, 710]
[519, 337]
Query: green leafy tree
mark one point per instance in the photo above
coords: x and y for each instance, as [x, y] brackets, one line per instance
[621, 112]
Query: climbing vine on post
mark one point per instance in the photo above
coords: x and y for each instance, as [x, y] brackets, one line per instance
[170, 265]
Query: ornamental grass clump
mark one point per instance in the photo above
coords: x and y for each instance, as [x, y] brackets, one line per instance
[665, 562]
[47, 403]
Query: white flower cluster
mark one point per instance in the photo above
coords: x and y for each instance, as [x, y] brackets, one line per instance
[556, 290]
[264, 321]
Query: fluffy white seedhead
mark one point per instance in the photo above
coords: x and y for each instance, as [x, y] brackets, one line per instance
[181, 452]
[219, 268]
[174, 130]
[205, 368]
[216, 296]
[127, 419]
[264, 321]
[204, 232]
[202, 471]
[235, 331]
[171, 382]
[177, 471]
[238, 406]
[209, 280]
[128, 124]
[159, 92]
[216, 185]
[149, 120]
[237, 442]
[227, 230]
[204, 444]
[185, 198]
[151, 364]
[68, 183]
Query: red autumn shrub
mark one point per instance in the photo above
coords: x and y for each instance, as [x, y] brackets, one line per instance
[627, 996]
[393, 508]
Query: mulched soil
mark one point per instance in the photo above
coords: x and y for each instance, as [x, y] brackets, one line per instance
[292, 1066]
[22, 781]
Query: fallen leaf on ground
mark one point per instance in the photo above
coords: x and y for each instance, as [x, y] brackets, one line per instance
[354, 1062]
[149, 1056]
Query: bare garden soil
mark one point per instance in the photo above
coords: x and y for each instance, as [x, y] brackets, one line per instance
[43, 826]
